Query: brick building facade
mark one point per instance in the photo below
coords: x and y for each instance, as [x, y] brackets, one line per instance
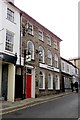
[43, 47]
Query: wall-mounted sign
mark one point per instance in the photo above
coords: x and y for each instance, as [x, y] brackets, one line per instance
[28, 58]
[48, 67]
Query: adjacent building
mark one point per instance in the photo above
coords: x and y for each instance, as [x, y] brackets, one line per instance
[41, 51]
[76, 62]
[9, 47]
[69, 72]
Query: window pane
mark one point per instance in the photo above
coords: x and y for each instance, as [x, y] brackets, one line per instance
[30, 28]
[9, 41]
[41, 54]
[49, 61]
[55, 45]
[41, 81]
[56, 61]
[49, 58]
[48, 40]
[49, 81]
[30, 50]
[10, 15]
[40, 35]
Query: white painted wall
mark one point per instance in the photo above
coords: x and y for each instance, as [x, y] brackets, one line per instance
[11, 83]
[0, 77]
[33, 84]
[71, 68]
[8, 25]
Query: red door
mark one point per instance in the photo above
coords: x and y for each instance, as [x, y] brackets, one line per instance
[28, 86]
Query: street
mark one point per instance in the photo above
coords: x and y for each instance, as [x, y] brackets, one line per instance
[63, 107]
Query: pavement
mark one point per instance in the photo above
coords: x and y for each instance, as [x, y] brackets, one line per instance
[6, 106]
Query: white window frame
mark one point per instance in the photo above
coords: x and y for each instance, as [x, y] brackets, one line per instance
[63, 66]
[49, 57]
[9, 43]
[50, 78]
[29, 28]
[56, 61]
[68, 68]
[30, 51]
[55, 45]
[40, 35]
[41, 53]
[48, 40]
[57, 82]
[10, 15]
[43, 75]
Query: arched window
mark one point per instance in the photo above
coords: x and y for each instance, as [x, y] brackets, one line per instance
[41, 54]
[56, 60]
[57, 82]
[49, 58]
[50, 81]
[41, 80]
[30, 49]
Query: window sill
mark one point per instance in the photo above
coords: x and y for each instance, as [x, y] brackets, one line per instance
[9, 52]
[31, 34]
[42, 89]
[56, 67]
[49, 45]
[41, 40]
[32, 60]
[41, 62]
[11, 21]
[56, 49]
[50, 89]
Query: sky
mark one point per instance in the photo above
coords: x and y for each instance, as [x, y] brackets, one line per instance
[60, 17]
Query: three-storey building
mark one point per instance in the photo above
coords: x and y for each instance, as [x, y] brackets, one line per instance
[41, 53]
[9, 47]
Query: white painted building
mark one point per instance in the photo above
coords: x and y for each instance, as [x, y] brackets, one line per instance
[69, 73]
[9, 47]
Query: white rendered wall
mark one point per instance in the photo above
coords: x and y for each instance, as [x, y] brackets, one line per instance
[11, 26]
[0, 77]
[11, 83]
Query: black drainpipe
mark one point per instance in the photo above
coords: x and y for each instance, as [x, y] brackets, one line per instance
[20, 35]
